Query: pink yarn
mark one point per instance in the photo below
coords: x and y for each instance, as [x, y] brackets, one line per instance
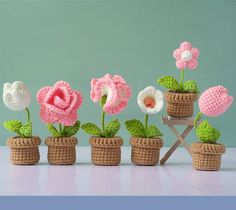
[215, 101]
[117, 91]
[186, 56]
[59, 104]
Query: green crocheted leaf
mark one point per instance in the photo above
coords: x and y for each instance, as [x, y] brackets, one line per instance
[26, 130]
[169, 82]
[92, 129]
[71, 130]
[190, 86]
[112, 128]
[153, 131]
[103, 100]
[13, 125]
[53, 130]
[135, 128]
[206, 133]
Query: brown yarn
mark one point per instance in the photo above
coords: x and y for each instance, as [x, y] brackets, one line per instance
[207, 157]
[61, 150]
[106, 151]
[145, 151]
[24, 151]
[180, 105]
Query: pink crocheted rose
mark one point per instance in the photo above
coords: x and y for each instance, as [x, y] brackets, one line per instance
[186, 56]
[215, 101]
[115, 88]
[59, 104]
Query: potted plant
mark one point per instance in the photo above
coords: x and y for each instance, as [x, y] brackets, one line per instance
[59, 104]
[113, 94]
[145, 140]
[207, 153]
[181, 95]
[24, 146]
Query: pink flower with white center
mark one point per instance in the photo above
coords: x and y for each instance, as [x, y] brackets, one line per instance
[186, 56]
[215, 101]
[115, 88]
[59, 103]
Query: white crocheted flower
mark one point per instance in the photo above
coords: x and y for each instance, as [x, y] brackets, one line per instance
[16, 96]
[150, 100]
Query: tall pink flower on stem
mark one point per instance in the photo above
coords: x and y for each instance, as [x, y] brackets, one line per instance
[113, 94]
[59, 104]
[213, 102]
[186, 57]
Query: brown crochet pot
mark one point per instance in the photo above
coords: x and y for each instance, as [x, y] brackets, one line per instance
[180, 105]
[61, 150]
[207, 157]
[24, 151]
[106, 151]
[145, 151]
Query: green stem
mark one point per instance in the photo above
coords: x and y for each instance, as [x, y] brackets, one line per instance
[196, 119]
[146, 124]
[60, 128]
[181, 80]
[103, 123]
[28, 114]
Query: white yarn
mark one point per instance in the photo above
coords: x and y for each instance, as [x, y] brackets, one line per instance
[16, 96]
[154, 93]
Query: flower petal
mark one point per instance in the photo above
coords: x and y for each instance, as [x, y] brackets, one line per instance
[192, 64]
[181, 64]
[185, 46]
[177, 54]
[195, 52]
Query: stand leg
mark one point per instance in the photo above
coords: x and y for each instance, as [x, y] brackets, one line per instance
[181, 139]
[175, 145]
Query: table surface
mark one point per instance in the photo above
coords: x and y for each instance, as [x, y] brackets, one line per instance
[177, 177]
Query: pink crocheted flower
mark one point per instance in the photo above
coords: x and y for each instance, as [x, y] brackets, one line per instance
[186, 56]
[215, 101]
[117, 91]
[59, 104]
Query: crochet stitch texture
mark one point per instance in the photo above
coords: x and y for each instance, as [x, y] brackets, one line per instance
[215, 101]
[59, 103]
[116, 89]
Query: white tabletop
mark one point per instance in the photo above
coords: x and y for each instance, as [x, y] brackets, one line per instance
[177, 177]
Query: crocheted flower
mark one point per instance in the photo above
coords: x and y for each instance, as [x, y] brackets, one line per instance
[59, 104]
[150, 100]
[16, 96]
[115, 88]
[215, 101]
[186, 56]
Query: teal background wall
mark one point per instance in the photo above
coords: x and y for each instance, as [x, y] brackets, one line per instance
[45, 41]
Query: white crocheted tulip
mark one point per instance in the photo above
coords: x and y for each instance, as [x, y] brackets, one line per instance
[150, 100]
[16, 96]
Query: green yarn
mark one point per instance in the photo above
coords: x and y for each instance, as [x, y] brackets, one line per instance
[153, 131]
[18, 127]
[70, 130]
[13, 125]
[206, 133]
[92, 129]
[26, 130]
[135, 128]
[190, 86]
[53, 130]
[169, 82]
[112, 128]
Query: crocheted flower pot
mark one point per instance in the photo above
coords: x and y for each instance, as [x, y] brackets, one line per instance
[145, 151]
[24, 151]
[180, 105]
[207, 157]
[61, 150]
[106, 151]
